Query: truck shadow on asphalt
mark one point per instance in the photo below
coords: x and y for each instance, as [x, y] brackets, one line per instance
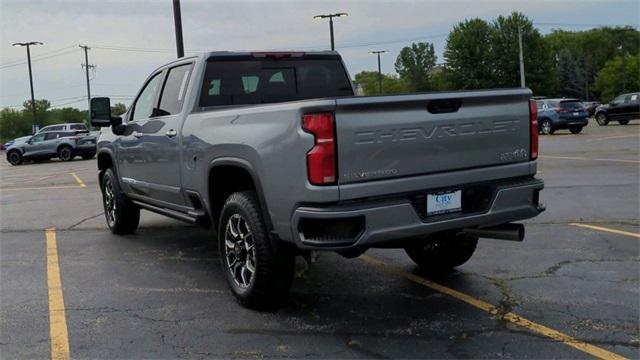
[338, 298]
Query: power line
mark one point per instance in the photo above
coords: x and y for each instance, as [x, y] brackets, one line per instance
[36, 57]
[3, 66]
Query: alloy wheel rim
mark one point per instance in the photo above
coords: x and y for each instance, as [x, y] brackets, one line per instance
[14, 158]
[109, 202]
[546, 127]
[65, 153]
[240, 256]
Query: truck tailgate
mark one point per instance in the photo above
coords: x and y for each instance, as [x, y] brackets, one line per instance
[396, 136]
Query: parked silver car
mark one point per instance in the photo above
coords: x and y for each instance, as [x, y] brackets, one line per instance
[49, 144]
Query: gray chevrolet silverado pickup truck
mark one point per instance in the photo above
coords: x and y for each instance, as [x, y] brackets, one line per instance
[274, 152]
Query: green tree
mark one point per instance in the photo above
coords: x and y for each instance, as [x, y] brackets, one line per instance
[415, 65]
[391, 84]
[118, 109]
[13, 124]
[570, 76]
[42, 106]
[619, 75]
[505, 49]
[591, 49]
[468, 54]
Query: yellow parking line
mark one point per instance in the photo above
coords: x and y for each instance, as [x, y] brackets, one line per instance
[600, 228]
[57, 314]
[588, 159]
[41, 188]
[493, 310]
[80, 182]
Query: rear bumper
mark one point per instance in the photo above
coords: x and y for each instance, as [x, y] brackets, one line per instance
[85, 149]
[565, 123]
[390, 222]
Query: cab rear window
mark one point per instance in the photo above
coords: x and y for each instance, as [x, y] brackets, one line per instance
[571, 105]
[267, 80]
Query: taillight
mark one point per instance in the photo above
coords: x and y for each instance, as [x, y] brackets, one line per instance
[533, 117]
[321, 159]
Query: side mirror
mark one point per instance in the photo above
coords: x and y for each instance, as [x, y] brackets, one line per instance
[100, 112]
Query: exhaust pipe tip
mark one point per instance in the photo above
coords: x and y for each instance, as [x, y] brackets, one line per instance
[509, 231]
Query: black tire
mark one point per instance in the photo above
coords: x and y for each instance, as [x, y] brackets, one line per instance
[575, 129]
[121, 214]
[14, 157]
[546, 127]
[88, 156]
[442, 252]
[65, 153]
[250, 249]
[623, 122]
[601, 119]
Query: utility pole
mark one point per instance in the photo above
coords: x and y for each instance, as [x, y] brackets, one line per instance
[86, 68]
[177, 19]
[34, 125]
[330, 17]
[522, 85]
[378, 52]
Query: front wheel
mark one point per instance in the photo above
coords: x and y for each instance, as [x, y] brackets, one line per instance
[575, 129]
[122, 215]
[259, 275]
[14, 157]
[65, 153]
[546, 128]
[601, 119]
[623, 122]
[442, 252]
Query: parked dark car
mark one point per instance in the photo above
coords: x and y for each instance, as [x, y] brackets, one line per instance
[622, 109]
[591, 106]
[556, 114]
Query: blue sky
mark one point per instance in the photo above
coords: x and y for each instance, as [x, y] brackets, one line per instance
[130, 38]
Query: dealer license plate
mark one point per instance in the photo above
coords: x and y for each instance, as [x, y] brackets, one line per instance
[444, 202]
[576, 113]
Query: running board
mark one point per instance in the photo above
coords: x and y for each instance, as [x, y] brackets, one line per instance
[193, 216]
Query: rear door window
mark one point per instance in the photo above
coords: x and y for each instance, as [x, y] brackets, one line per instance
[51, 135]
[78, 127]
[175, 86]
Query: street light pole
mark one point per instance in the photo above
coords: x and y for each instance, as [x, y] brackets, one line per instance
[34, 126]
[330, 17]
[378, 52]
[177, 19]
[522, 84]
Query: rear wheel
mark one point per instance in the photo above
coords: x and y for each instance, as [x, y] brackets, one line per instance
[122, 215]
[623, 122]
[65, 153]
[258, 274]
[14, 157]
[546, 128]
[601, 119]
[442, 252]
[575, 129]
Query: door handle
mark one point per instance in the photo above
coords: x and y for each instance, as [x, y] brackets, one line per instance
[137, 134]
[171, 133]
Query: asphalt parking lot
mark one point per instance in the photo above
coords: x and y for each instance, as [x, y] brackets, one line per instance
[570, 290]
